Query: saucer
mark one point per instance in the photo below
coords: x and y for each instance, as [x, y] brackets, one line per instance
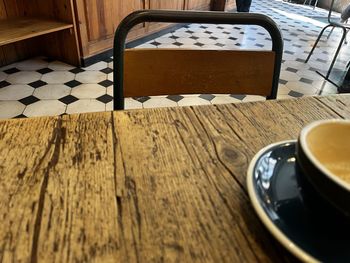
[278, 197]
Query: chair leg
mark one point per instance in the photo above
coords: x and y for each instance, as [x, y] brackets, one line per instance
[330, 32]
[347, 65]
[337, 52]
[346, 36]
[318, 39]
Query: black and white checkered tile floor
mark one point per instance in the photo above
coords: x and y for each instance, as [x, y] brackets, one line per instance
[40, 87]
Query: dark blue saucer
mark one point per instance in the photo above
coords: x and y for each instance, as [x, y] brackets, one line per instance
[306, 224]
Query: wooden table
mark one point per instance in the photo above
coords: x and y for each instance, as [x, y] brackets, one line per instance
[143, 185]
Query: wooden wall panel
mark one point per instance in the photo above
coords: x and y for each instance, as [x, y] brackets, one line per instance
[98, 20]
[102, 17]
[54, 49]
[11, 8]
[19, 51]
[3, 14]
[230, 4]
[198, 4]
[161, 4]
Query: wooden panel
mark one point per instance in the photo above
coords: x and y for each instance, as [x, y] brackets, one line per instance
[161, 4]
[180, 71]
[98, 20]
[20, 50]
[102, 17]
[198, 4]
[67, 193]
[37, 8]
[230, 5]
[11, 8]
[2, 10]
[13, 30]
[22, 187]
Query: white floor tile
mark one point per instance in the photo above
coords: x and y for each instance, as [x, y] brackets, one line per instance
[251, 98]
[3, 75]
[15, 92]
[97, 66]
[130, 103]
[58, 77]
[159, 103]
[88, 91]
[91, 77]
[224, 100]
[58, 65]
[10, 109]
[192, 101]
[85, 105]
[45, 108]
[32, 64]
[52, 91]
[23, 77]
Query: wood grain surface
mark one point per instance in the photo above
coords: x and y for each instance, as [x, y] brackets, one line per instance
[143, 185]
[192, 71]
[13, 30]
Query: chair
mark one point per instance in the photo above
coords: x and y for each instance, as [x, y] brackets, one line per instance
[333, 24]
[310, 2]
[148, 72]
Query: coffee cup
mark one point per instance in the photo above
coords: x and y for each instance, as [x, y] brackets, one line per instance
[323, 154]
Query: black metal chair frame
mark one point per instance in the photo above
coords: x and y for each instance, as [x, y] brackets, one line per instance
[309, 3]
[185, 17]
[333, 24]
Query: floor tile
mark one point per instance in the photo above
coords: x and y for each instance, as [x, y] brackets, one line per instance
[23, 77]
[97, 66]
[159, 102]
[130, 103]
[88, 91]
[105, 98]
[85, 105]
[52, 92]
[224, 100]
[29, 100]
[251, 98]
[31, 64]
[10, 109]
[69, 99]
[58, 77]
[11, 71]
[58, 65]
[302, 87]
[189, 101]
[283, 89]
[15, 92]
[3, 75]
[37, 84]
[91, 77]
[45, 108]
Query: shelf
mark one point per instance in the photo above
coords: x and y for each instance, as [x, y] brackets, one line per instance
[13, 30]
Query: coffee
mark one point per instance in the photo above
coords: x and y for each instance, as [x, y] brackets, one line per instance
[330, 145]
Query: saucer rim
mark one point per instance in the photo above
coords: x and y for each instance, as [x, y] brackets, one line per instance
[274, 230]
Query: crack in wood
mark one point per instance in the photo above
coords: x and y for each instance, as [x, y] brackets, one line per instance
[56, 142]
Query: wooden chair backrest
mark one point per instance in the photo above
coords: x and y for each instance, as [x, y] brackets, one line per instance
[150, 72]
